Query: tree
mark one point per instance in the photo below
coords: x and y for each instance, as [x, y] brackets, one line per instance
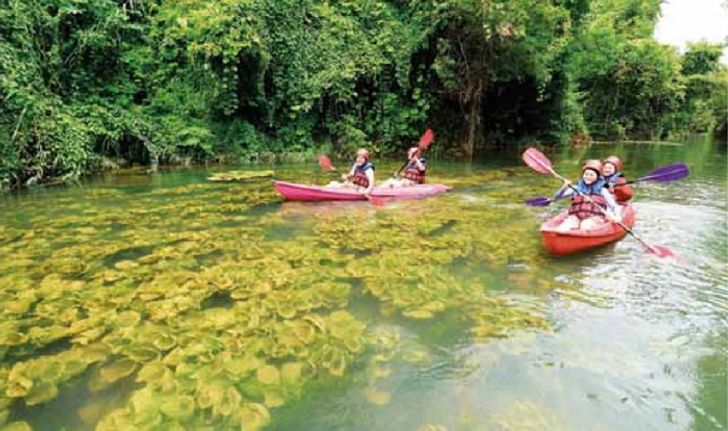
[630, 85]
[495, 41]
[706, 79]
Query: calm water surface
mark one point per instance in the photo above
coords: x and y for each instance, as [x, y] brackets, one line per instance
[166, 301]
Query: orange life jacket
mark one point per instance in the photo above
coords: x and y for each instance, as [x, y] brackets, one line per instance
[622, 193]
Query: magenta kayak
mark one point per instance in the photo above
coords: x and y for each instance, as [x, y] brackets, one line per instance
[301, 192]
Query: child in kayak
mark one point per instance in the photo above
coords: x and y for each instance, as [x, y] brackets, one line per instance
[415, 171]
[361, 175]
[413, 174]
[585, 213]
[614, 180]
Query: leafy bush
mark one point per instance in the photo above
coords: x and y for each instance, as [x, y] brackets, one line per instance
[158, 81]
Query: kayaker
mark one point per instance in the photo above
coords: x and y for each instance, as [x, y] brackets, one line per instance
[614, 180]
[414, 173]
[361, 175]
[584, 213]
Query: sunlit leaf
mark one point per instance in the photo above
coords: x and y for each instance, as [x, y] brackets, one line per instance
[291, 371]
[376, 396]
[268, 374]
[253, 416]
[40, 393]
[274, 399]
[17, 426]
[117, 370]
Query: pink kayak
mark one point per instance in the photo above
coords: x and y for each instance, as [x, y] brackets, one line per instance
[301, 192]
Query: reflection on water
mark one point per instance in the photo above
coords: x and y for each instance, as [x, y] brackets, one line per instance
[166, 301]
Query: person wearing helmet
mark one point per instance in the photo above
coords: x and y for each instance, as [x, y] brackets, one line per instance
[361, 174]
[592, 204]
[413, 174]
[614, 180]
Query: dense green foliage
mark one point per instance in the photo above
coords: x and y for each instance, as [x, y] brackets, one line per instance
[91, 83]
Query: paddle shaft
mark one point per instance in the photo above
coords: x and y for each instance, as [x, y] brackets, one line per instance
[664, 174]
[632, 182]
[334, 170]
[638, 180]
[422, 151]
[400, 169]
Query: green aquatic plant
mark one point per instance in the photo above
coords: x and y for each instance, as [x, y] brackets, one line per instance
[240, 175]
[17, 426]
[36, 380]
[214, 309]
[475, 179]
[377, 396]
[527, 416]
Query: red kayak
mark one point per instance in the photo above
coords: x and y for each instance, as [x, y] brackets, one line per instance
[301, 192]
[573, 241]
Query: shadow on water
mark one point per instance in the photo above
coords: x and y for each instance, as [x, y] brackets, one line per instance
[71, 409]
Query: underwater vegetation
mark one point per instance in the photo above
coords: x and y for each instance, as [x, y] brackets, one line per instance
[240, 175]
[209, 306]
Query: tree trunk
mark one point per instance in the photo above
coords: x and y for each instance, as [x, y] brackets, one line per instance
[476, 98]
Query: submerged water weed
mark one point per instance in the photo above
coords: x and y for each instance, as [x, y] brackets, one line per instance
[403, 259]
[240, 175]
[473, 179]
[219, 310]
[527, 416]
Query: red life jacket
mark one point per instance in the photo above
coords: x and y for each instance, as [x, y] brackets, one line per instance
[414, 174]
[360, 179]
[583, 209]
[622, 193]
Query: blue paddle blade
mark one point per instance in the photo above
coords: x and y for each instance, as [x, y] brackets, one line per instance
[540, 201]
[667, 173]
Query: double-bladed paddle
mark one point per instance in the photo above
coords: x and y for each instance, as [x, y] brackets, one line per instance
[664, 174]
[537, 161]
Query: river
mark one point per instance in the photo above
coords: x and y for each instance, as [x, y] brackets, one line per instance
[166, 301]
